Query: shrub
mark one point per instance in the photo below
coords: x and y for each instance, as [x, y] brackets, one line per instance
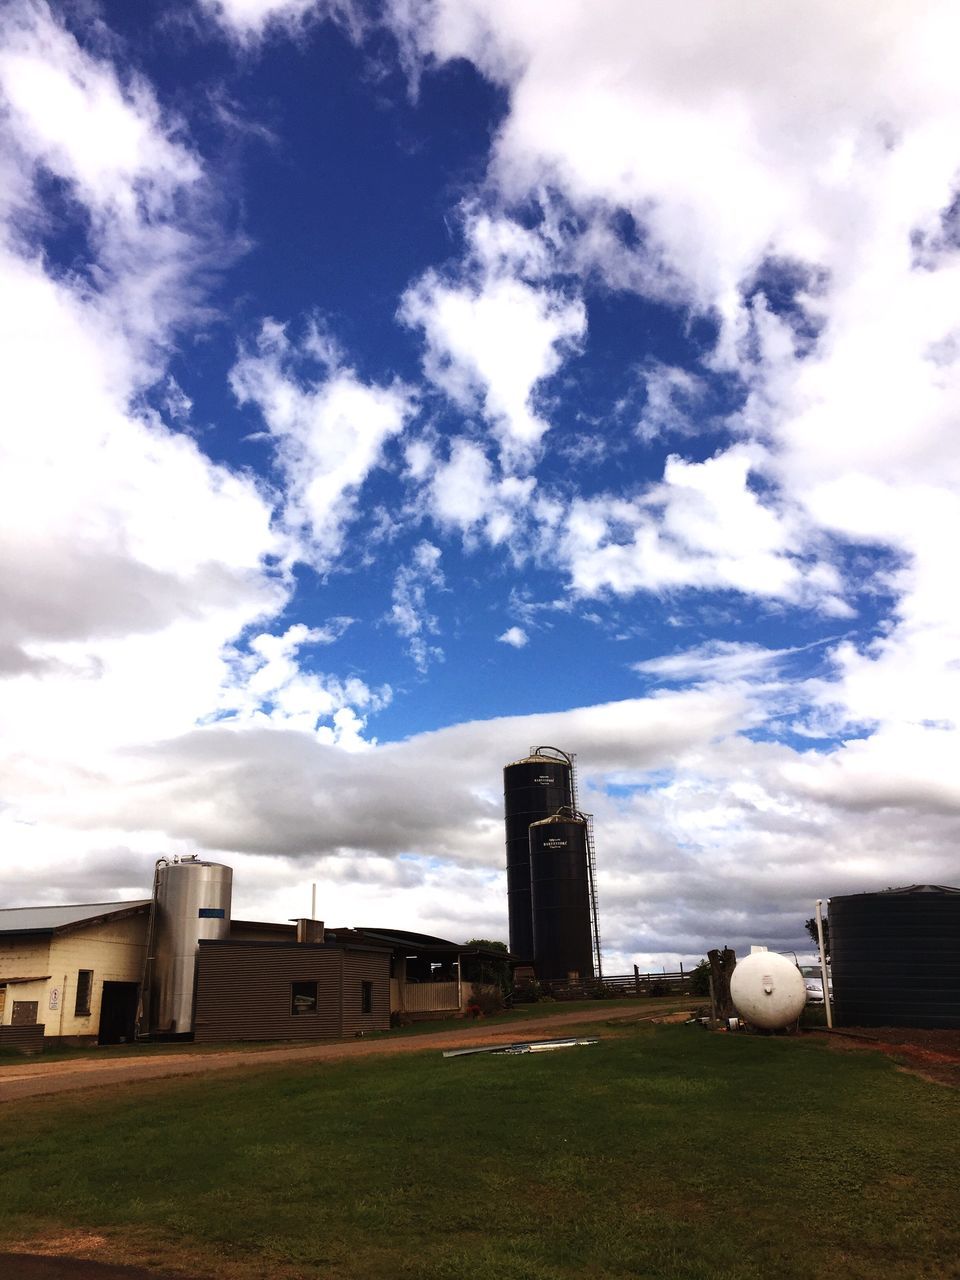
[486, 1000]
[528, 992]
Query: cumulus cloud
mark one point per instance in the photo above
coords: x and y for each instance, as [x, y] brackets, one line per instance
[704, 526]
[466, 494]
[249, 20]
[131, 562]
[516, 637]
[493, 332]
[798, 192]
[330, 429]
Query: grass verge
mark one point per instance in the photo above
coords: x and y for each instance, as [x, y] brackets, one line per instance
[666, 1153]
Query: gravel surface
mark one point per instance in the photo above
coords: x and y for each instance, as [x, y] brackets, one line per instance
[35, 1078]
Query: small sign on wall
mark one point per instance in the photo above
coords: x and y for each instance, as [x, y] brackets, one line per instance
[54, 997]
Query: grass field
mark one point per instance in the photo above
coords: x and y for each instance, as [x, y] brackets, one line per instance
[661, 1152]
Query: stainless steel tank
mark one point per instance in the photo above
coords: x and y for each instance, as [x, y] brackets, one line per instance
[192, 902]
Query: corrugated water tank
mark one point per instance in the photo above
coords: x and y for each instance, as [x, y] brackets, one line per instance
[895, 957]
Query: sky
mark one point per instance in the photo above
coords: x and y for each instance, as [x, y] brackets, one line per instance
[389, 386]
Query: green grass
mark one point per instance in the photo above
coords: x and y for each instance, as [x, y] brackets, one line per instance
[663, 1153]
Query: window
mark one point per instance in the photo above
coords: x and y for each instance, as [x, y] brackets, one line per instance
[84, 988]
[366, 997]
[303, 997]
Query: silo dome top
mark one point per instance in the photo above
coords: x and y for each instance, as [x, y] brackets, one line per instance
[539, 754]
[923, 888]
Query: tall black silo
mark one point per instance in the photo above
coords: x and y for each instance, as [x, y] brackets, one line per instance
[560, 892]
[895, 957]
[533, 788]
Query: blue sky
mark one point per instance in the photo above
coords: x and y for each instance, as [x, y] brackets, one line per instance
[391, 386]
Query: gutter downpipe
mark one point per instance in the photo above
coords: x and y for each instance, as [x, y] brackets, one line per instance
[823, 966]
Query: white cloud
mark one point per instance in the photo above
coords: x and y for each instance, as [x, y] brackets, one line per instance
[832, 155]
[495, 334]
[330, 430]
[703, 836]
[703, 526]
[516, 637]
[465, 494]
[249, 20]
[131, 561]
[409, 614]
[714, 660]
[673, 399]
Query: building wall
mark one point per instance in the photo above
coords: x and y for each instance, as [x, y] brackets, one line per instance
[113, 951]
[24, 955]
[360, 967]
[244, 991]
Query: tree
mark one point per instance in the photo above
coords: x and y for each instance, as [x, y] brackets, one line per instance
[811, 928]
[699, 982]
[489, 968]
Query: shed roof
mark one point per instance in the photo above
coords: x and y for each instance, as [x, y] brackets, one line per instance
[423, 941]
[52, 919]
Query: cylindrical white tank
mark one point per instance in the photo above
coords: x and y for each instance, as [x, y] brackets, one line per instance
[768, 990]
[193, 902]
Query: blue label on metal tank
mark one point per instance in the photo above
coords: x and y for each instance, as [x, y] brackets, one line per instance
[211, 913]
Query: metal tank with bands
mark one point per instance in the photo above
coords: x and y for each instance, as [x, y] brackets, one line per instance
[560, 894]
[533, 788]
[192, 901]
[895, 957]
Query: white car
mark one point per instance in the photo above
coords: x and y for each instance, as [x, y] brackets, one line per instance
[813, 981]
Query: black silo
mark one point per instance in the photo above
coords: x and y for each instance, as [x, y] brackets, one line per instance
[895, 957]
[533, 788]
[560, 893]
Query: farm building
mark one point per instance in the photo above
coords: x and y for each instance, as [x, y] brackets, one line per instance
[70, 973]
[74, 974]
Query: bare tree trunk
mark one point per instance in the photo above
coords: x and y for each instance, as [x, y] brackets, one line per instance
[722, 965]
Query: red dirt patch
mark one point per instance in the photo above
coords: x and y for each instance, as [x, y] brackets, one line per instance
[933, 1053]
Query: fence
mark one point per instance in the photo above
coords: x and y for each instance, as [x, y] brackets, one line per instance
[623, 984]
[423, 997]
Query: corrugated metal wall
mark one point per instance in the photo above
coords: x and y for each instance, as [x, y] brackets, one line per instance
[360, 967]
[26, 1039]
[244, 991]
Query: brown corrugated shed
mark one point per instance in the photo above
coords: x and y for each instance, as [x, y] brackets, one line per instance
[245, 990]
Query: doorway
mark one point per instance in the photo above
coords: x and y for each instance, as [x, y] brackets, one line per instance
[118, 1012]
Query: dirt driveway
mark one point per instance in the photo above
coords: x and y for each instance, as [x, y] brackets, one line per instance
[37, 1078]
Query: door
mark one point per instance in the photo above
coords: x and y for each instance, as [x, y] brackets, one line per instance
[118, 1012]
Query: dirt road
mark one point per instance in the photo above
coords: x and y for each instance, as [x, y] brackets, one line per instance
[37, 1078]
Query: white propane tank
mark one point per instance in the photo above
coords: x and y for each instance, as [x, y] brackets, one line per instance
[768, 990]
